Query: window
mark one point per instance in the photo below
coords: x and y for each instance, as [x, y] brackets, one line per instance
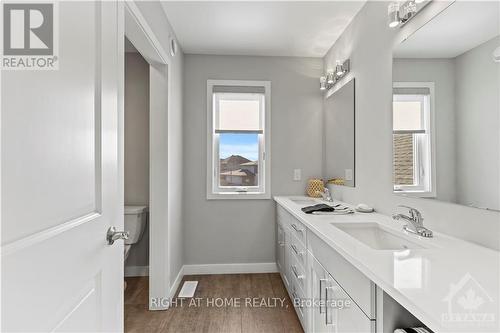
[238, 139]
[413, 161]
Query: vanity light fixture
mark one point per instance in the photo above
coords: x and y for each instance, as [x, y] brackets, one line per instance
[328, 80]
[401, 12]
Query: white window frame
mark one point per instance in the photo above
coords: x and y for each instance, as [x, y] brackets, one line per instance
[263, 191]
[424, 149]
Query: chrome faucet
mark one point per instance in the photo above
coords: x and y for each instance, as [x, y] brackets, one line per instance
[326, 195]
[415, 222]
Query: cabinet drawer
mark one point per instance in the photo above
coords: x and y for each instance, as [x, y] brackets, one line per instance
[297, 272]
[361, 289]
[295, 226]
[297, 249]
[347, 317]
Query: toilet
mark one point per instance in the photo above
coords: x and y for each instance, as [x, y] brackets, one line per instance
[135, 223]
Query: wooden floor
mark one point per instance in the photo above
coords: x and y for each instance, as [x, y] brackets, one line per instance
[206, 318]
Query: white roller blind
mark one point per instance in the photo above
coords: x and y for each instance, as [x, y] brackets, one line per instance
[408, 114]
[238, 112]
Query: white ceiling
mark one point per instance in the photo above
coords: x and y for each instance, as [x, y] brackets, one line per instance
[270, 28]
[461, 27]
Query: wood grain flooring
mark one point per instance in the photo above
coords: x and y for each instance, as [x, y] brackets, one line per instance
[207, 313]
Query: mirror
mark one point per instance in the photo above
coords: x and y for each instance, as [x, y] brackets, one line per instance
[339, 135]
[446, 108]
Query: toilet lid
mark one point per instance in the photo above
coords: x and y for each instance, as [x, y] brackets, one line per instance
[134, 209]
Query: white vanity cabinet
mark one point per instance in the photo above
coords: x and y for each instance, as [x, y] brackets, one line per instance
[337, 296]
[291, 254]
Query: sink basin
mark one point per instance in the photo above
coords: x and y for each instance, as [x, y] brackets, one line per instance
[305, 202]
[376, 237]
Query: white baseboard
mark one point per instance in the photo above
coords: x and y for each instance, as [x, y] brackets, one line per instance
[266, 267]
[131, 271]
[177, 282]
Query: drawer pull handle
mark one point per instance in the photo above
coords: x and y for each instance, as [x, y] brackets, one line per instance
[294, 270]
[297, 252]
[281, 243]
[327, 322]
[295, 297]
[294, 226]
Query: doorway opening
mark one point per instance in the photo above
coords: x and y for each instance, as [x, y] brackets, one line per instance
[153, 60]
[136, 162]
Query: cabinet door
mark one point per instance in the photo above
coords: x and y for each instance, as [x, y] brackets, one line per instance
[343, 314]
[318, 283]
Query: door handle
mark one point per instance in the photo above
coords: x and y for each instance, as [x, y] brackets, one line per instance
[112, 235]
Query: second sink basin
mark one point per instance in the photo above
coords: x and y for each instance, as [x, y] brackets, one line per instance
[376, 237]
[304, 202]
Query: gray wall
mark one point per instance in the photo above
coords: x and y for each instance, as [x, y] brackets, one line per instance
[368, 42]
[137, 146]
[154, 14]
[442, 73]
[242, 231]
[477, 92]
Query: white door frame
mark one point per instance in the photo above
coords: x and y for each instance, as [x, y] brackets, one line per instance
[138, 31]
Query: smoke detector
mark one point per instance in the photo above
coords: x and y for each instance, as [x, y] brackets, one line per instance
[496, 54]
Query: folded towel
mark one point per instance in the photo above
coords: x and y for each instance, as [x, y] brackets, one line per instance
[335, 212]
[318, 208]
[412, 330]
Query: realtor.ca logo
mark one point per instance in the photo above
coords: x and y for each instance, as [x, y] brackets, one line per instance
[29, 38]
[469, 305]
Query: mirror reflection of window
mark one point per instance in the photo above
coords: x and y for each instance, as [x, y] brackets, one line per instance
[456, 52]
[412, 144]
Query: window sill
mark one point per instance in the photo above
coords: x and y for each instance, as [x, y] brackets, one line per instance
[416, 193]
[238, 196]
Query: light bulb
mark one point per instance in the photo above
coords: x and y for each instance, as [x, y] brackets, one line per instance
[393, 12]
[330, 78]
[339, 70]
[322, 83]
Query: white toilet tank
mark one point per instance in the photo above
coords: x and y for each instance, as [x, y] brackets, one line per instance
[135, 222]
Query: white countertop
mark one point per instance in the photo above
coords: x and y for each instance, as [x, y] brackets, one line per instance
[420, 279]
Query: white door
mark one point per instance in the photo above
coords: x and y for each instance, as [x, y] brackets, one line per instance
[61, 182]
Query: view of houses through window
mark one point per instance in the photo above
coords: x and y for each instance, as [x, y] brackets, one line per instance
[239, 159]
